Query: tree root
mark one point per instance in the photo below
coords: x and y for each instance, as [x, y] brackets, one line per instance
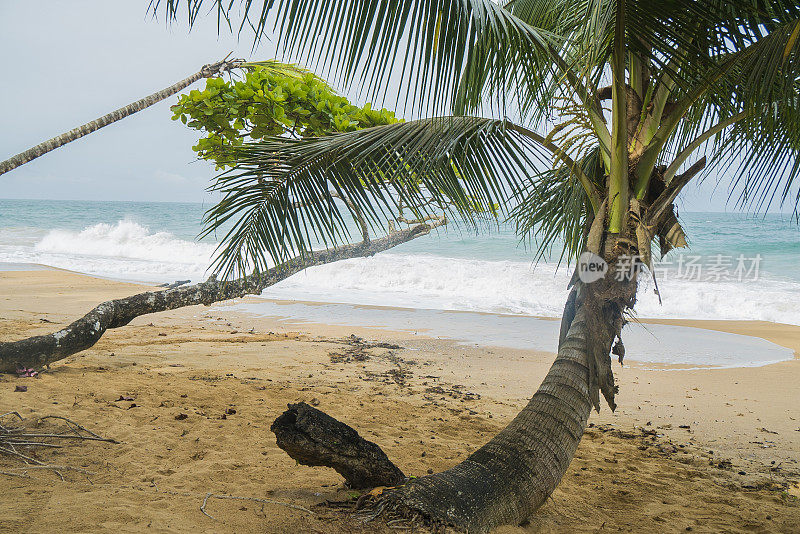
[389, 508]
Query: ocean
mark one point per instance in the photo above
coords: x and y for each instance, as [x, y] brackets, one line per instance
[737, 266]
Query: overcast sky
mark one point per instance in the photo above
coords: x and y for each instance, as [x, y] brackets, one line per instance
[71, 61]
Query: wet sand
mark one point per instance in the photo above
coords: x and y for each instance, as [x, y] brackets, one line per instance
[427, 404]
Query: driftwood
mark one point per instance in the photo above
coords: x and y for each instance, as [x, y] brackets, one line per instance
[38, 351]
[312, 437]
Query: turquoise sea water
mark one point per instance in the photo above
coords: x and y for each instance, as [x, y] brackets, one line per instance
[180, 219]
[454, 269]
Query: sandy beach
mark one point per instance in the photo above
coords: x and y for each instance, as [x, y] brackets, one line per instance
[706, 450]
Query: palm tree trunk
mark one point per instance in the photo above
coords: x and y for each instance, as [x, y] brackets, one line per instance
[76, 133]
[507, 479]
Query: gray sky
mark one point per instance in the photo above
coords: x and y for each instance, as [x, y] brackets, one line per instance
[79, 59]
[71, 61]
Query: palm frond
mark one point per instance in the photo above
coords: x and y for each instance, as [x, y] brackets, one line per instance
[424, 44]
[571, 65]
[692, 63]
[279, 200]
[552, 209]
[762, 150]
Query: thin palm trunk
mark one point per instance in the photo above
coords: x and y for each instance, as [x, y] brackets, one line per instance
[76, 133]
[511, 476]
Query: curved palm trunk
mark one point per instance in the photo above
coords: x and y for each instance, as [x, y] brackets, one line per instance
[76, 133]
[507, 479]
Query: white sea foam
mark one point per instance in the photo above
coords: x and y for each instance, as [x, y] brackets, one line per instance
[130, 251]
[422, 281]
[125, 239]
[124, 250]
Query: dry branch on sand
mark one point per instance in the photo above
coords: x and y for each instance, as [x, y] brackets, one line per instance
[252, 499]
[20, 441]
[312, 437]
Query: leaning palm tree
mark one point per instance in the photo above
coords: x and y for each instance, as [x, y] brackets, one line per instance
[44, 147]
[619, 105]
[207, 71]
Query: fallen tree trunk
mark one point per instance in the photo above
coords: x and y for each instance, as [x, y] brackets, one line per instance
[312, 437]
[38, 351]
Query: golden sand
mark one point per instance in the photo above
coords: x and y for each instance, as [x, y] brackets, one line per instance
[428, 405]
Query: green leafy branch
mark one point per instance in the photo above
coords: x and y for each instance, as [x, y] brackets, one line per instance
[269, 101]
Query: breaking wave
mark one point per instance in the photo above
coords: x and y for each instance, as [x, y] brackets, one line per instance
[511, 287]
[128, 250]
[124, 250]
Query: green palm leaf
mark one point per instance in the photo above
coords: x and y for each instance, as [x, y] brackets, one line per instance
[423, 43]
[553, 209]
[281, 197]
[713, 77]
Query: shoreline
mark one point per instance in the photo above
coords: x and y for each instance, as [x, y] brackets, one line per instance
[673, 344]
[781, 334]
[678, 441]
[767, 330]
